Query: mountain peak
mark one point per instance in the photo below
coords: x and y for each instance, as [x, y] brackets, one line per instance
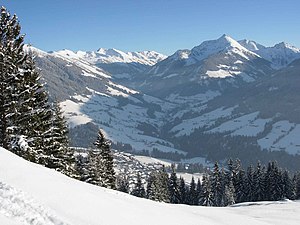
[284, 45]
[224, 43]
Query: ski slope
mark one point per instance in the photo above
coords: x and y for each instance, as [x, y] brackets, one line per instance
[32, 194]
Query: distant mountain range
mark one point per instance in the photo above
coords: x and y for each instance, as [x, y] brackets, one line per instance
[221, 99]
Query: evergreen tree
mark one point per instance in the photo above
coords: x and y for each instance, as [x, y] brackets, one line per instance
[206, 197]
[82, 165]
[138, 189]
[104, 162]
[192, 194]
[216, 186]
[240, 187]
[150, 180]
[229, 194]
[26, 126]
[96, 168]
[198, 191]
[24, 109]
[297, 185]
[182, 191]
[159, 187]
[249, 185]
[173, 187]
[259, 183]
[287, 186]
[58, 154]
[122, 183]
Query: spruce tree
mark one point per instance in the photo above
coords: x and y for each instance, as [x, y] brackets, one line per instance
[159, 186]
[198, 190]
[229, 194]
[259, 183]
[58, 154]
[25, 113]
[182, 191]
[216, 186]
[192, 194]
[150, 180]
[173, 187]
[104, 162]
[206, 197]
[122, 183]
[297, 185]
[138, 189]
[249, 185]
[240, 187]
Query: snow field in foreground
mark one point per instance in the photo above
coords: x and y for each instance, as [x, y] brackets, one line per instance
[57, 199]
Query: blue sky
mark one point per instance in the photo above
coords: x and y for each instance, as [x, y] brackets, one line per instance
[161, 25]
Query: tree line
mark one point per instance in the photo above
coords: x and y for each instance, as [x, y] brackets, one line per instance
[220, 187]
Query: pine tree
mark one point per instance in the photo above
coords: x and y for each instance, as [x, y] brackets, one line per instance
[58, 154]
[240, 187]
[159, 187]
[122, 183]
[150, 180]
[216, 186]
[104, 162]
[206, 197]
[10, 76]
[249, 184]
[259, 183]
[182, 191]
[25, 113]
[138, 189]
[192, 194]
[82, 167]
[173, 187]
[96, 169]
[229, 194]
[198, 191]
[287, 186]
[297, 185]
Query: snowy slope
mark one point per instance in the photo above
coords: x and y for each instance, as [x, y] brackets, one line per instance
[214, 65]
[116, 56]
[48, 197]
[280, 55]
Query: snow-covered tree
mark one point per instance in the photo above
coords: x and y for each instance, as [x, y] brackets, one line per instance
[58, 154]
[206, 196]
[159, 187]
[216, 186]
[173, 187]
[103, 161]
[229, 194]
[193, 198]
[138, 189]
[182, 191]
[259, 183]
[122, 183]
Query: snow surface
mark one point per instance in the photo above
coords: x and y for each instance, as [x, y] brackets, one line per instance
[206, 120]
[224, 43]
[46, 194]
[247, 125]
[115, 56]
[280, 55]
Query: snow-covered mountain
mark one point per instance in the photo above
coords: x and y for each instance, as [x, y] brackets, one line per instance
[280, 55]
[200, 102]
[32, 194]
[121, 65]
[89, 99]
[214, 64]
